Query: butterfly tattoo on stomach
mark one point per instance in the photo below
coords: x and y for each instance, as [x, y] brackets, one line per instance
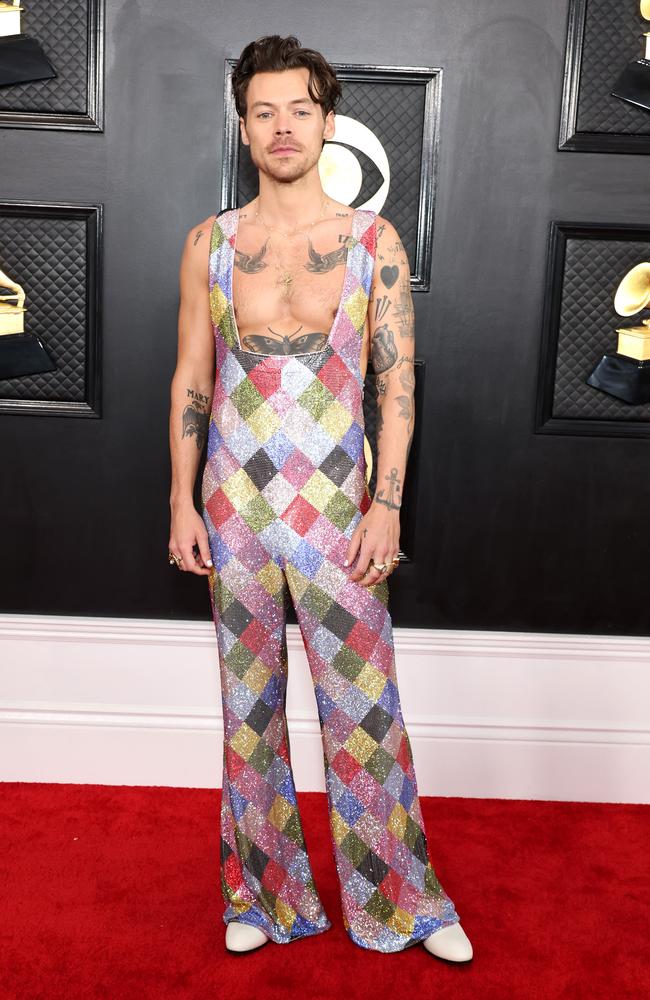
[279, 343]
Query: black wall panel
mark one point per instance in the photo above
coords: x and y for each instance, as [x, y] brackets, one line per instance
[516, 530]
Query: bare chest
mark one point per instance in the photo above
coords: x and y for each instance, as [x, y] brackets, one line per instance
[287, 293]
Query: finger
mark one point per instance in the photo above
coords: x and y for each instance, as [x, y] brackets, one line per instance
[204, 549]
[362, 565]
[370, 581]
[198, 558]
[189, 564]
[352, 547]
[370, 577]
[374, 575]
[173, 549]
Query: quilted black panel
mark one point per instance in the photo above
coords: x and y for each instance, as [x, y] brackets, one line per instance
[612, 38]
[47, 256]
[395, 113]
[587, 327]
[61, 27]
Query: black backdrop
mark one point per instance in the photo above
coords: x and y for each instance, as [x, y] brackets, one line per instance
[516, 530]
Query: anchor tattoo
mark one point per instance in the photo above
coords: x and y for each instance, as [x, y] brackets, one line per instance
[394, 491]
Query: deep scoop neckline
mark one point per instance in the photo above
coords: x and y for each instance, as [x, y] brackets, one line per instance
[341, 305]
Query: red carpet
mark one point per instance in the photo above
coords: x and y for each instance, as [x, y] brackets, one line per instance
[113, 892]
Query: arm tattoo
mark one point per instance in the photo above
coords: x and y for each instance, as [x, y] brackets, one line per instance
[381, 385]
[198, 237]
[389, 274]
[384, 352]
[407, 376]
[195, 418]
[198, 397]
[382, 306]
[404, 407]
[404, 311]
[251, 263]
[394, 491]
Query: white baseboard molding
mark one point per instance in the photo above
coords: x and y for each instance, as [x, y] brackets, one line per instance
[490, 714]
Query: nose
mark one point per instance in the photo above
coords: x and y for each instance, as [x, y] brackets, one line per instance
[282, 125]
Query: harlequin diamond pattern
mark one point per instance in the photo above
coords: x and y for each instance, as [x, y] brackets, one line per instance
[283, 490]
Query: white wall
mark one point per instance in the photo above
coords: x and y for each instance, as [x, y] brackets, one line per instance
[490, 714]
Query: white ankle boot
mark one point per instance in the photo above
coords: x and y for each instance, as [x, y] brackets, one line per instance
[243, 937]
[451, 943]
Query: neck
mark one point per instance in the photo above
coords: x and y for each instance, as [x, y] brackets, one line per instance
[291, 204]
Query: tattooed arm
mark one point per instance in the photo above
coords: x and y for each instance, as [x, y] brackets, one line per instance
[392, 347]
[192, 389]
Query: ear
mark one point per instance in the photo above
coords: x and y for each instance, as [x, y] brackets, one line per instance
[244, 133]
[330, 125]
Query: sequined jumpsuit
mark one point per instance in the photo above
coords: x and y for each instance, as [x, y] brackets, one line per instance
[283, 490]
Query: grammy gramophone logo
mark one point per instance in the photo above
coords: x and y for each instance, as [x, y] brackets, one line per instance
[21, 57]
[633, 85]
[21, 352]
[626, 374]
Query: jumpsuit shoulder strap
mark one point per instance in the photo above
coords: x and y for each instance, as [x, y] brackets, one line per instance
[220, 264]
[366, 235]
[222, 228]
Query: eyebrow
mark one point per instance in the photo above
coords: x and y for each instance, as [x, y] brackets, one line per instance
[269, 104]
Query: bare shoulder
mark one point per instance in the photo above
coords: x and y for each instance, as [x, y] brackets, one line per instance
[341, 210]
[196, 251]
[200, 234]
[391, 255]
[386, 232]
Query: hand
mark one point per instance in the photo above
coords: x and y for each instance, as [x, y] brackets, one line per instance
[188, 538]
[375, 537]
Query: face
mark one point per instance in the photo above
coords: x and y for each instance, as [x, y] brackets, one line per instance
[284, 128]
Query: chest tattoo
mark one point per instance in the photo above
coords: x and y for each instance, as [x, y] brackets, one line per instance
[322, 262]
[251, 263]
[279, 343]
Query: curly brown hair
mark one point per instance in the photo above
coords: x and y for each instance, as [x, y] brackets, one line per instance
[271, 54]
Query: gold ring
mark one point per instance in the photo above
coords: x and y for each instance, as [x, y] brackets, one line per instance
[174, 559]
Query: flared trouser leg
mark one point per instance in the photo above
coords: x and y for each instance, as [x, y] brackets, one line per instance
[390, 895]
[266, 877]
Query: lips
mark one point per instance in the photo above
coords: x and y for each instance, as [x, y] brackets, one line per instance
[284, 149]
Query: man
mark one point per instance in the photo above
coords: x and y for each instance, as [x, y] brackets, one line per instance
[283, 302]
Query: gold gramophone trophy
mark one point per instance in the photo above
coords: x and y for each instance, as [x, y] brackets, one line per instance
[21, 57]
[11, 315]
[626, 374]
[633, 85]
[20, 353]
